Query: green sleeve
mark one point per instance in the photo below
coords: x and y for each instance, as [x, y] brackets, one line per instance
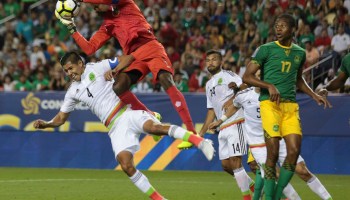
[260, 55]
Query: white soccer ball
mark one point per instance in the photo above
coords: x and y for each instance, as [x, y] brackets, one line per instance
[67, 8]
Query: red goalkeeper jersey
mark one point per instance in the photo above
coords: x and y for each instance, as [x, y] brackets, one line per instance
[128, 25]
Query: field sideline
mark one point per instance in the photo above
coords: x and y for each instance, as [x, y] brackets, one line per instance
[82, 184]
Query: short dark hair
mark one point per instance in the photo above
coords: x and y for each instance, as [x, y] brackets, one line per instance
[289, 19]
[212, 51]
[72, 57]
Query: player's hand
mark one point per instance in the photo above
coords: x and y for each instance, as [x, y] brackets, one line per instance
[214, 125]
[108, 75]
[232, 86]
[69, 23]
[39, 124]
[322, 100]
[274, 94]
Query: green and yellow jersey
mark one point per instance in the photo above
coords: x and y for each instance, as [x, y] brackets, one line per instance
[345, 65]
[279, 66]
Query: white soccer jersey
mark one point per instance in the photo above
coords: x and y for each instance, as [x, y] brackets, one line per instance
[248, 99]
[218, 93]
[93, 90]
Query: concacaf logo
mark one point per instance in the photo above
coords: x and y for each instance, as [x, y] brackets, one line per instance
[30, 104]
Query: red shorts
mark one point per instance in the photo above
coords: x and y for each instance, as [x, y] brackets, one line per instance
[150, 57]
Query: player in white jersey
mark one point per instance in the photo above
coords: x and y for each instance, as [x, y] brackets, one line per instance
[125, 125]
[232, 143]
[248, 99]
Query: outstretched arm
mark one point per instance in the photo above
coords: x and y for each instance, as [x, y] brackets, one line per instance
[96, 41]
[100, 1]
[57, 121]
[337, 82]
[209, 118]
[304, 87]
[231, 110]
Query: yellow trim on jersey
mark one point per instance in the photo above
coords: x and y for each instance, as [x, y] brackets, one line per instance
[250, 156]
[286, 47]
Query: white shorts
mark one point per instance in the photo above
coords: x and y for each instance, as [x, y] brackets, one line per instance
[126, 131]
[232, 142]
[260, 154]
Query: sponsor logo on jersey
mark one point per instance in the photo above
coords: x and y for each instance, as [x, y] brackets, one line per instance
[220, 81]
[92, 76]
[275, 127]
[297, 59]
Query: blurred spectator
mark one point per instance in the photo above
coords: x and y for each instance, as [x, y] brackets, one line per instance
[323, 42]
[197, 81]
[23, 84]
[172, 54]
[341, 41]
[41, 27]
[168, 34]
[24, 28]
[24, 62]
[312, 54]
[178, 69]
[11, 7]
[40, 83]
[143, 86]
[2, 11]
[57, 82]
[9, 83]
[180, 83]
[36, 54]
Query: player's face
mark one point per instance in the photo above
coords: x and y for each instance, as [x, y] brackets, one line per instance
[74, 71]
[213, 63]
[284, 33]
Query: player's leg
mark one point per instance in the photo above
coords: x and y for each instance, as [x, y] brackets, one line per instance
[151, 125]
[124, 137]
[177, 99]
[312, 181]
[122, 85]
[232, 147]
[255, 168]
[125, 159]
[270, 117]
[291, 132]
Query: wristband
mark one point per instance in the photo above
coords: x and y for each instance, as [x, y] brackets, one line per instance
[223, 118]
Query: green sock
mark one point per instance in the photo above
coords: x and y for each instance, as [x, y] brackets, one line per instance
[269, 182]
[286, 174]
[259, 184]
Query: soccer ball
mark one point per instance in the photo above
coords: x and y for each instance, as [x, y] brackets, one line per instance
[67, 9]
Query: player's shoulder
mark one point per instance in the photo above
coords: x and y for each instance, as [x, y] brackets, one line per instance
[298, 48]
[245, 91]
[229, 73]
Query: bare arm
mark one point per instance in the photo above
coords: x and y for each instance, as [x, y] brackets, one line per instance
[231, 110]
[304, 87]
[250, 78]
[337, 82]
[100, 1]
[209, 118]
[57, 121]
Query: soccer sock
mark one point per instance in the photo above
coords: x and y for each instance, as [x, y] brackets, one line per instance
[269, 182]
[259, 184]
[286, 174]
[182, 134]
[242, 179]
[290, 192]
[144, 185]
[180, 105]
[129, 98]
[317, 187]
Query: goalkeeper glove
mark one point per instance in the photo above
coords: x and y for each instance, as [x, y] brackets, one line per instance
[69, 23]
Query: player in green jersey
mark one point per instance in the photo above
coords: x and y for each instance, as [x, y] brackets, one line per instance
[281, 64]
[344, 73]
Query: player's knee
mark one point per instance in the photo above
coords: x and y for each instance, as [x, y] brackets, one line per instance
[128, 168]
[165, 79]
[236, 162]
[293, 152]
[227, 168]
[303, 172]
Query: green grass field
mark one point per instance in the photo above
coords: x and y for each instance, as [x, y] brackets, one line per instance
[80, 184]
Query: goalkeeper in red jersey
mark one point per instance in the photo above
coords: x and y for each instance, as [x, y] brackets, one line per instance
[124, 21]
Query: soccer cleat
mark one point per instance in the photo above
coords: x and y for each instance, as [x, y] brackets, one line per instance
[156, 138]
[206, 146]
[184, 145]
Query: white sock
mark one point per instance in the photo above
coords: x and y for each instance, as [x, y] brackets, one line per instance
[242, 179]
[177, 132]
[141, 181]
[316, 186]
[290, 192]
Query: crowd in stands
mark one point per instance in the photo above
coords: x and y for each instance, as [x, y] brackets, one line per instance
[33, 42]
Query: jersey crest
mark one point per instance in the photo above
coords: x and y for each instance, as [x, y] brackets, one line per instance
[287, 52]
[92, 76]
[297, 59]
